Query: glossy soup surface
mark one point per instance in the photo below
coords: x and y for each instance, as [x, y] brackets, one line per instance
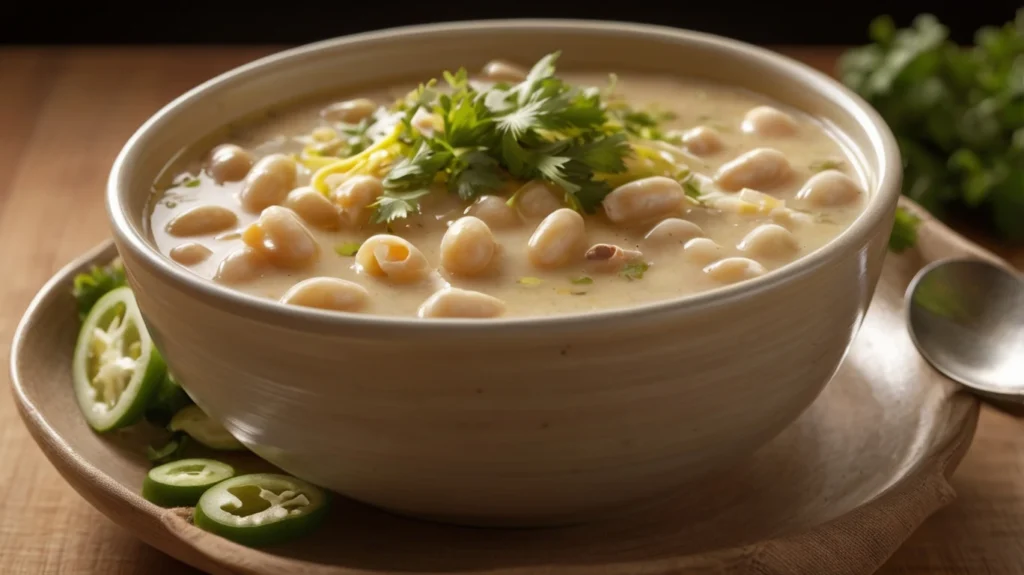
[726, 187]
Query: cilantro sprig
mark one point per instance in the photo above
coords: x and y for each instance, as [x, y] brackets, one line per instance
[539, 129]
[89, 286]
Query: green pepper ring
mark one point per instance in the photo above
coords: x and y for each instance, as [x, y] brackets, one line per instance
[165, 488]
[131, 404]
[211, 516]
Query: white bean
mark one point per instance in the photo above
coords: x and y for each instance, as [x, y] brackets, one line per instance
[327, 293]
[673, 231]
[501, 71]
[732, 270]
[229, 163]
[454, 302]
[313, 207]
[644, 199]
[495, 211]
[830, 188]
[758, 168]
[557, 240]
[282, 238]
[537, 199]
[468, 247]
[702, 250]
[768, 121]
[201, 220]
[349, 111]
[702, 141]
[268, 183]
[769, 241]
[190, 253]
[608, 258]
[241, 266]
[392, 257]
[354, 195]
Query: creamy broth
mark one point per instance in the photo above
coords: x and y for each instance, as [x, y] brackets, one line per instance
[766, 184]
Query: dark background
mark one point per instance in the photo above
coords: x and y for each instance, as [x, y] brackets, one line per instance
[294, 22]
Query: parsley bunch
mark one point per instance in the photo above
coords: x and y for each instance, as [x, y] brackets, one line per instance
[541, 128]
[957, 112]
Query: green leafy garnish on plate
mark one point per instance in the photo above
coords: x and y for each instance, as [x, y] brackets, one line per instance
[582, 281]
[90, 286]
[529, 281]
[173, 449]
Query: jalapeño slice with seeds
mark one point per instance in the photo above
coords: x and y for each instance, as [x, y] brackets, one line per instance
[181, 483]
[116, 368]
[261, 509]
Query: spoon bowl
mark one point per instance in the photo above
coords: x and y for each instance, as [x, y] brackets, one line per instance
[966, 317]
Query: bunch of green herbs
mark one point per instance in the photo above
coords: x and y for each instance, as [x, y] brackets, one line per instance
[957, 112]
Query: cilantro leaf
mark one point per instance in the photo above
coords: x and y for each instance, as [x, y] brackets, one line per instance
[169, 451]
[634, 270]
[168, 400]
[541, 128]
[474, 174]
[397, 205]
[89, 287]
[408, 180]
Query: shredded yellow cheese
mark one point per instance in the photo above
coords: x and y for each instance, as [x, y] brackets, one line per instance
[319, 180]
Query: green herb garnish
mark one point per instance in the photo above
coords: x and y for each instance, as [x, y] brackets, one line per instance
[904, 231]
[582, 281]
[355, 136]
[957, 112]
[191, 183]
[634, 270]
[90, 286]
[347, 249]
[643, 124]
[169, 451]
[541, 128]
[529, 281]
[822, 165]
[690, 187]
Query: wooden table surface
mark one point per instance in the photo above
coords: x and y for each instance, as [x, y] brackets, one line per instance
[65, 113]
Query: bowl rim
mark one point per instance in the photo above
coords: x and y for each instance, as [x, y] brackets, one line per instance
[880, 203]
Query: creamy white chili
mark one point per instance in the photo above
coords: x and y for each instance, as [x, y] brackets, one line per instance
[509, 193]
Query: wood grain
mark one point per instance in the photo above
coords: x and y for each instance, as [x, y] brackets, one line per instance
[65, 114]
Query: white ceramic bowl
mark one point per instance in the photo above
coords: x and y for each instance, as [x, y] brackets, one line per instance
[514, 421]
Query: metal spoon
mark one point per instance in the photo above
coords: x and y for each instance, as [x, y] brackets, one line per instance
[966, 317]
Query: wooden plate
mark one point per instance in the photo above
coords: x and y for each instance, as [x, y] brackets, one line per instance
[837, 492]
